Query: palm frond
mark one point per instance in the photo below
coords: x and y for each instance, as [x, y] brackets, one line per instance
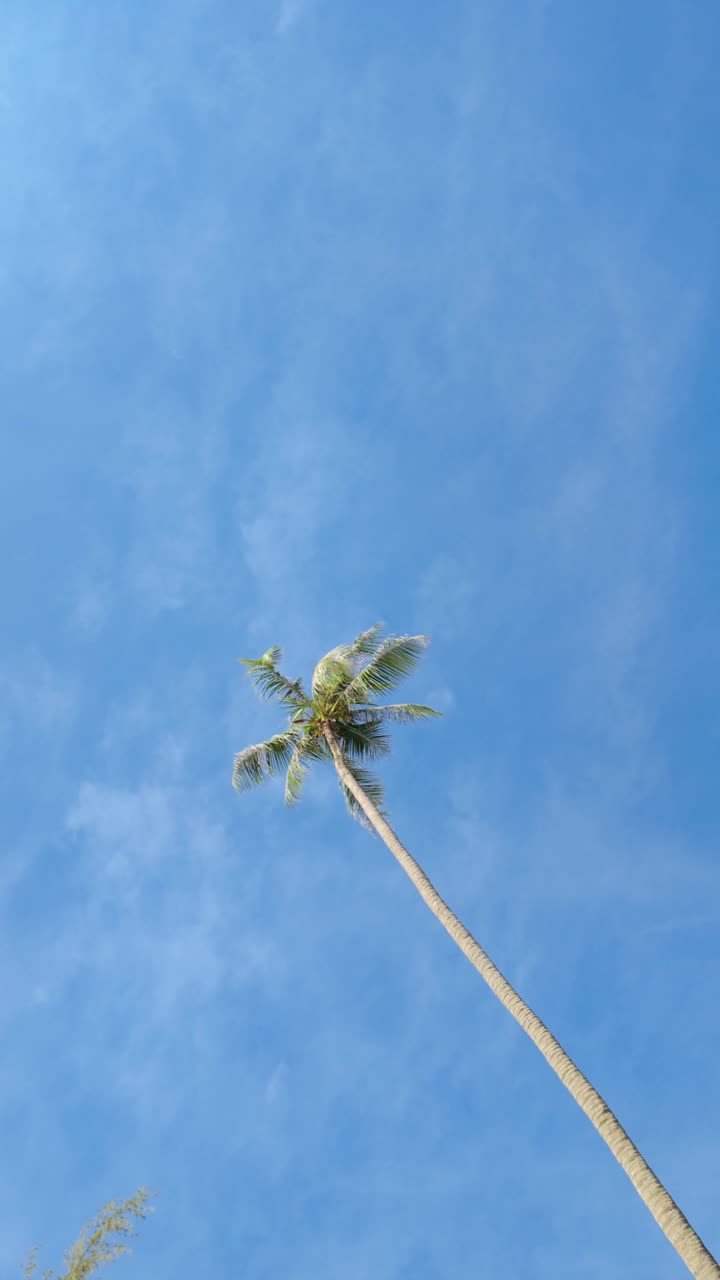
[397, 712]
[338, 666]
[254, 764]
[295, 776]
[271, 683]
[331, 674]
[364, 740]
[305, 749]
[395, 658]
[373, 788]
[272, 656]
[366, 643]
[315, 748]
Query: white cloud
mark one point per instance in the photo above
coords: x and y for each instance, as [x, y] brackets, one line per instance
[276, 1089]
[283, 514]
[92, 594]
[91, 609]
[127, 828]
[290, 508]
[291, 13]
[171, 466]
[40, 703]
[445, 596]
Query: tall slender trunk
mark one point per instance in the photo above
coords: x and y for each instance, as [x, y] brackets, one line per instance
[666, 1213]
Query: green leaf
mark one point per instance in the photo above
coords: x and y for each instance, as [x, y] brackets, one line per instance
[95, 1246]
[395, 658]
[102, 1240]
[295, 776]
[337, 667]
[397, 712]
[373, 788]
[362, 740]
[366, 643]
[272, 656]
[254, 764]
[308, 748]
[271, 683]
[331, 674]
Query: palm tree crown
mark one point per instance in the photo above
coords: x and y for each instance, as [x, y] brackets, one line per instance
[342, 703]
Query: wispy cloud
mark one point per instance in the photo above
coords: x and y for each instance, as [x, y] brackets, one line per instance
[291, 13]
[39, 703]
[445, 595]
[292, 504]
[171, 465]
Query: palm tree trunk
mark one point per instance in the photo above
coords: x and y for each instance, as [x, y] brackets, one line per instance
[681, 1235]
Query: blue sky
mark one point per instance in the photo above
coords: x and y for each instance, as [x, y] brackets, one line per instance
[317, 313]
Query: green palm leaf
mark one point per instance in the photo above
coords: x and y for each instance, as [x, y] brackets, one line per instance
[371, 785]
[254, 764]
[396, 712]
[306, 749]
[362, 741]
[331, 674]
[271, 683]
[337, 667]
[366, 643]
[395, 658]
[295, 776]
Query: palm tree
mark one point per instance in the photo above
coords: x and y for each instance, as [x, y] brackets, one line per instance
[341, 720]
